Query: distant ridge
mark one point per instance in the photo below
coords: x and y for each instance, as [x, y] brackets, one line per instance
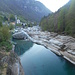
[29, 9]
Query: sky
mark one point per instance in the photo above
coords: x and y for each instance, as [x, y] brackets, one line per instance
[53, 5]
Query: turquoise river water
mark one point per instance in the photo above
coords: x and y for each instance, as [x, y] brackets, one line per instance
[38, 60]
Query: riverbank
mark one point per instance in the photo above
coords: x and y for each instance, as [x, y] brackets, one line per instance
[10, 62]
[61, 45]
[14, 64]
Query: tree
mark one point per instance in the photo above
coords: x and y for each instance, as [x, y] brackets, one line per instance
[4, 32]
[11, 26]
[12, 18]
[0, 23]
[62, 21]
[5, 18]
[70, 19]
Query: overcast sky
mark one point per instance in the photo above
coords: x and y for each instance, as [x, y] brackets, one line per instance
[54, 5]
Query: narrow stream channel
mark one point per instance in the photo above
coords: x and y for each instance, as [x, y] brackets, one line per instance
[37, 60]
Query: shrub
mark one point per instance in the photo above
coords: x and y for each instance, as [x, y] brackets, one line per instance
[7, 45]
[1, 37]
[11, 26]
[19, 25]
[0, 23]
[4, 32]
[12, 18]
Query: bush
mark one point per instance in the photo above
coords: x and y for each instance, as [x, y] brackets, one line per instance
[4, 37]
[11, 26]
[7, 45]
[0, 23]
[12, 18]
[1, 37]
[19, 25]
[4, 32]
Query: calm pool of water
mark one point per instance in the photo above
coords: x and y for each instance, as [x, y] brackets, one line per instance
[37, 60]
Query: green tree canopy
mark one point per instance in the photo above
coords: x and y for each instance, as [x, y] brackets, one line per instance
[12, 18]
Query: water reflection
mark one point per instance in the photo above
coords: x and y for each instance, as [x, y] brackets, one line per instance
[69, 68]
[22, 46]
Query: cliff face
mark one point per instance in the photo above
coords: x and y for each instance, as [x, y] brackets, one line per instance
[14, 65]
[10, 63]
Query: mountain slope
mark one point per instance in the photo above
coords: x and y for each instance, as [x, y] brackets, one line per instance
[63, 21]
[29, 9]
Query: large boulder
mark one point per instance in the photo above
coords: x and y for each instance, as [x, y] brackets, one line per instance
[65, 39]
[55, 43]
[19, 35]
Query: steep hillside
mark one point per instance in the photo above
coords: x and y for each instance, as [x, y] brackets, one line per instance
[63, 21]
[29, 9]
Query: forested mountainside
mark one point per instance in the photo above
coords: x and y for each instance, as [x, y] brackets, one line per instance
[62, 21]
[29, 9]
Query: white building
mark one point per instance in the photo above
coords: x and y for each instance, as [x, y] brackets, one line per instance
[18, 21]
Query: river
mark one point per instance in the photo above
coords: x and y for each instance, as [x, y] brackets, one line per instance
[38, 60]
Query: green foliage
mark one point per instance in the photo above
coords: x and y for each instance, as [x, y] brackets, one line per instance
[4, 32]
[12, 18]
[70, 19]
[19, 25]
[30, 24]
[11, 26]
[4, 37]
[0, 23]
[63, 21]
[35, 23]
[28, 12]
[5, 19]
[1, 17]
[1, 37]
[47, 23]
[22, 19]
[7, 45]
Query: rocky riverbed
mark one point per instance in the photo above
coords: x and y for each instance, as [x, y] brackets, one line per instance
[59, 44]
